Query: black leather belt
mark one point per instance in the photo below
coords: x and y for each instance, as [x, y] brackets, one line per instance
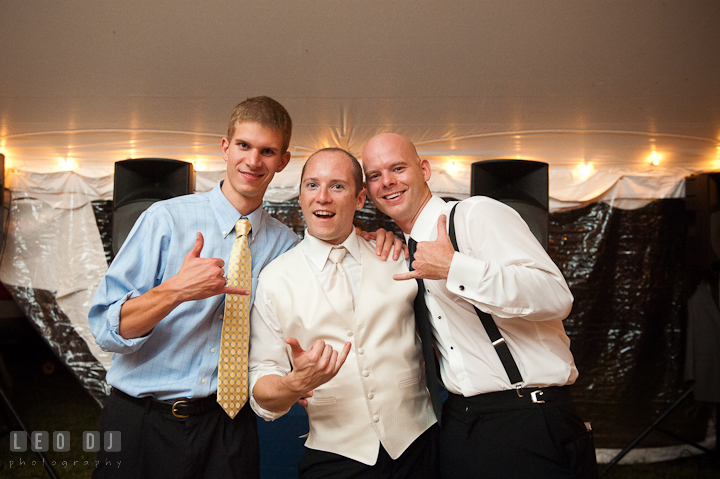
[511, 399]
[180, 408]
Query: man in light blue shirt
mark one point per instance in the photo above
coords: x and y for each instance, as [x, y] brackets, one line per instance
[160, 308]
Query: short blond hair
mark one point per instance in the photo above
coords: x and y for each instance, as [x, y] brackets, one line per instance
[266, 112]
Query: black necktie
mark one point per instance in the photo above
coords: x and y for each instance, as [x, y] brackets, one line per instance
[422, 323]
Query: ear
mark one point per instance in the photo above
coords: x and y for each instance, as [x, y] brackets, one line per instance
[225, 145]
[425, 166]
[361, 199]
[283, 162]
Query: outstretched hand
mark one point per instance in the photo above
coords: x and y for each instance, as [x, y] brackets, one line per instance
[432, 258]
[201, 278]
[314, 367]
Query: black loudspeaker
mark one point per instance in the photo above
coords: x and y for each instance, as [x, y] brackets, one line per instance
[140, 183]
[703, 237]
[520, 184]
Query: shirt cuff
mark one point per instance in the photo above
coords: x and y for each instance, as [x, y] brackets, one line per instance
[465, 275]
[264, 413]
[122, 345]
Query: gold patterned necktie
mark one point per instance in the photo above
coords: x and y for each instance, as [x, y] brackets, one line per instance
[337, 285]
[232, 383]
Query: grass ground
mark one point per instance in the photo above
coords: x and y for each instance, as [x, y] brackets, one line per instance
[48, 398]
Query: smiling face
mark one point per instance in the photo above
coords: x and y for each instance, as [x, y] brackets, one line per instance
[253, 156]
[396, 178]
[328, 196]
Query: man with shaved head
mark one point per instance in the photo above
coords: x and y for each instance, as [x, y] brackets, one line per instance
[494, 305]
[361, 377]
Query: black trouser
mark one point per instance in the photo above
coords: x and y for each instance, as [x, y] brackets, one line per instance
[158, 445]
[505, 436]
[418, 461]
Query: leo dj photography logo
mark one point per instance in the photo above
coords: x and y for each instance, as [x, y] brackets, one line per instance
[40, 441]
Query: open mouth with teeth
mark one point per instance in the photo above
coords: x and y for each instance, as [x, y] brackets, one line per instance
[392, 196]
[324, 214]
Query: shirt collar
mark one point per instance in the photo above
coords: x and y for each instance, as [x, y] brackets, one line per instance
[226, 214]
[318, 251]
[425, 227]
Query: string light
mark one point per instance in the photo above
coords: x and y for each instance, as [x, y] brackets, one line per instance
[453, 167]
[655, 158]
[199, 165]
[67, 164]
[585, 170]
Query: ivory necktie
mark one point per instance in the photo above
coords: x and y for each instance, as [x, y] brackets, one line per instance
[232, 383]
[337, 286]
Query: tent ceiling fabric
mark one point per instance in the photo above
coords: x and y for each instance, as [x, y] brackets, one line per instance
[605, 82]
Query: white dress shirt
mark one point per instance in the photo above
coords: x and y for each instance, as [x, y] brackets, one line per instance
[505, 272]
[269, 331]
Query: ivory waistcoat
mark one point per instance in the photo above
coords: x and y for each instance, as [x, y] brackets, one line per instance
[379, 394]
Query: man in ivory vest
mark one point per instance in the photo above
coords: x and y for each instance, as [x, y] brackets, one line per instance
[496, 302]
[330, 327]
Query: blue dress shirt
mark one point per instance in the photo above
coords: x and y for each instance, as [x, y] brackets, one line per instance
[179, 357]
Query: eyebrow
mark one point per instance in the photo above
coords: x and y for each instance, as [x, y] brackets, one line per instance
[332, 180]
[271, 148]
[389, 167]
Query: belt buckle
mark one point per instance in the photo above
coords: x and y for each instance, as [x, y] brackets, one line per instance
[174, 412]
[534, 396]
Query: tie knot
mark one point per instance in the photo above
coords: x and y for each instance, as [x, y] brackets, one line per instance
[242, 227]
[337, 254]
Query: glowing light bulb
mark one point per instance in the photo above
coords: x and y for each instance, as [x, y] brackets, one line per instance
[585, 170]
[67, 164]
[199, 165]
[655, 158]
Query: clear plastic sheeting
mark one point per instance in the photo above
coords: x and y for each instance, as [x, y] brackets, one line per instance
[52, 263]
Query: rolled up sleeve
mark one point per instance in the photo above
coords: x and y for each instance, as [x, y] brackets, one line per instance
[134, 271]
[268, 350]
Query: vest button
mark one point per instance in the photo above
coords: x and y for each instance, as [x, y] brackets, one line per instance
[366, 373]
[349, 333]
[371, 395]
[376, 418]
[361, 351]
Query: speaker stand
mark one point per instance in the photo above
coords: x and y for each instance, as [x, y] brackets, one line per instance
[655, 425]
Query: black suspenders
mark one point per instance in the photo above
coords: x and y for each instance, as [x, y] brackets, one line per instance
[501, 347]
